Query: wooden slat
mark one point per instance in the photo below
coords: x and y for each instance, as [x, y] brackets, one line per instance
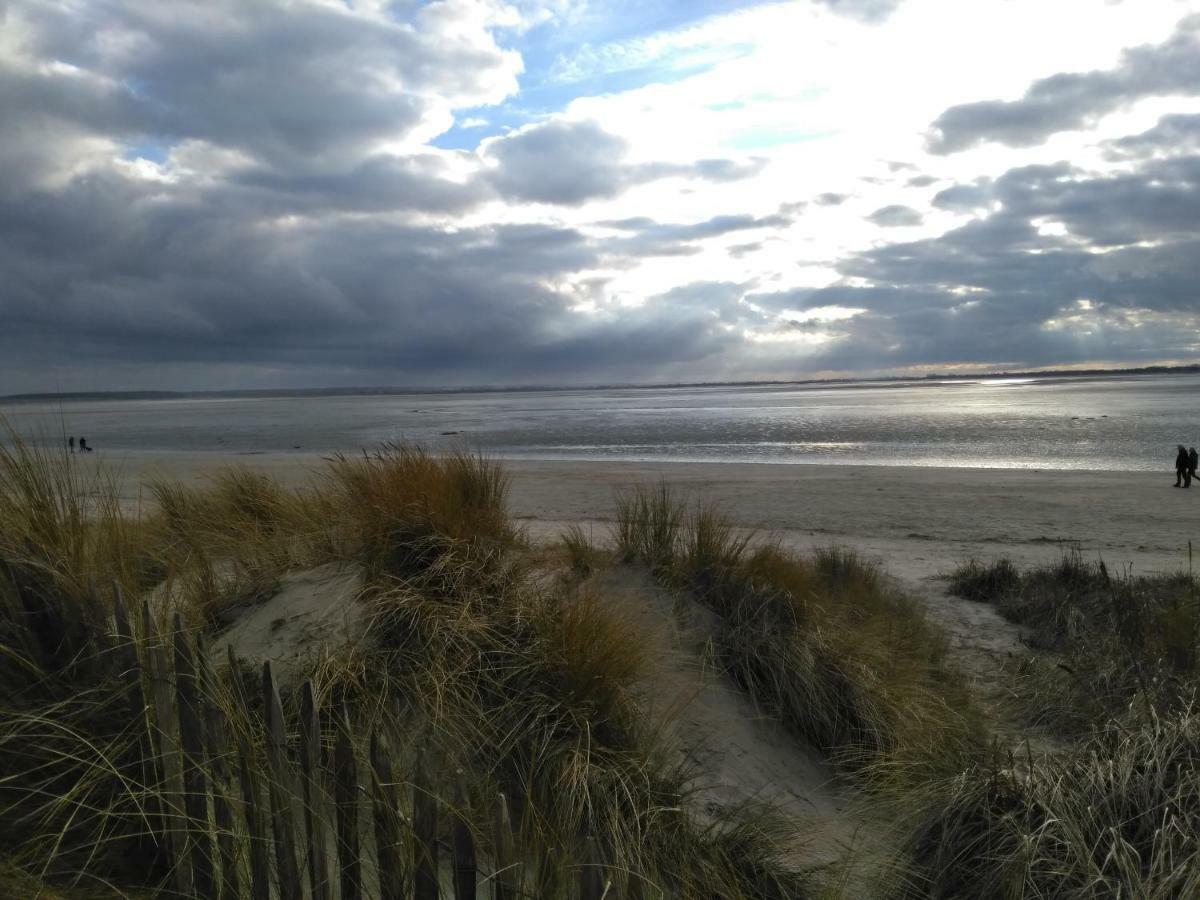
[229, 887]
[507, 877]
[465, 875]
[591, 873]
[425, 848]
[195, 777]
[256, 826]
[386, 815]
[548, 877]
[314, 794]
[126, 655]
[281, 792]
[345, 791]
[635, 888]
[170, 788]
[129, 671]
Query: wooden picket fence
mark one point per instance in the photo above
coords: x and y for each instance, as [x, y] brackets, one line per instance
[297, 830]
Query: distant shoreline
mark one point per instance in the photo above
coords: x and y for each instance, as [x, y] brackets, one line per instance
[264, 393]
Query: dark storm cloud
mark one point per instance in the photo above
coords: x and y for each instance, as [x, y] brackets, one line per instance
[894, 216]
[1075, 100]
[296, 86]
[570, 163]
[379, 183]
[1001, 289]
[108, 274]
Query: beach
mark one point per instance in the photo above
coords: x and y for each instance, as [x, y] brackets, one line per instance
[915, 521]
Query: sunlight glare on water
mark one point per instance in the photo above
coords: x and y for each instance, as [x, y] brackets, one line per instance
[1110, 423]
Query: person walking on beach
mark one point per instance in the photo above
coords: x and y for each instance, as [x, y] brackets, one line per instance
[1181, 466]
[71, 443]
[83, 447]
[1193, 460]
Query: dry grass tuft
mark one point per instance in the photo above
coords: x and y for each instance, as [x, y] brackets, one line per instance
[824, 644]
[1122, 645]
[1118, 816]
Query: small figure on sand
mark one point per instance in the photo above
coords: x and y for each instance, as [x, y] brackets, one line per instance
[83, 447]
[71, 443]
[1193, 460]
[1183, 476]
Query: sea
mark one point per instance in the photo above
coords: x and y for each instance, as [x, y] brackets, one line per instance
[1114, 423]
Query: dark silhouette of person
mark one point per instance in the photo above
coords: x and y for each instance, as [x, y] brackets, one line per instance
[1193, 461]
[71, 443]
[83, 447]
[1181, 467]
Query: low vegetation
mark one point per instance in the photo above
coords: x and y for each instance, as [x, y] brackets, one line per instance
[524, 688]
[1112, 645]
[826, 643]
[1117, 812]
[506, 681]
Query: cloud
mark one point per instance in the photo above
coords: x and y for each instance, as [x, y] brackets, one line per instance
[1172, 136]
[1003, 288]
[963, 197]
[865, 10]
[829, 198]
[895, 216]
[246, 194]
[646, 237]
[571, 162]
[1075, 100]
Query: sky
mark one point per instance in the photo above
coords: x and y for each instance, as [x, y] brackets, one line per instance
[299, 193]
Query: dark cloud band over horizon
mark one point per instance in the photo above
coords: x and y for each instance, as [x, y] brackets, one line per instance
[205, 194]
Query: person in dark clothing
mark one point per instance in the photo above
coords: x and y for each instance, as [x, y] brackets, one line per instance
[71, 443]
[1181, 466]
[1193, 460]
[83, 447]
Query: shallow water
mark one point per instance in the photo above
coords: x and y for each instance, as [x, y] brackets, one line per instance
[1113, 423]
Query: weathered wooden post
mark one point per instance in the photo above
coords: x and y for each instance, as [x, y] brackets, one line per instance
[281, 792]
[314, 795]
[425, 848]
[464, 846]
[195, 778]
[591, 874]
[126, 654]
[171, 785]
[218, 749]
[507, 877]
[256, 826]
[345, 789]
[386, 814]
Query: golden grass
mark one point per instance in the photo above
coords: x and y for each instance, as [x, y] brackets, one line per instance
[530, 686]
[825, 644]
[525, 689]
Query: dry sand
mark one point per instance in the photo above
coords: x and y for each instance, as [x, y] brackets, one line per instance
[917, 521]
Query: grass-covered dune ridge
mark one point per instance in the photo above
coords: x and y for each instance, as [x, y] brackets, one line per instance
[523, 688]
